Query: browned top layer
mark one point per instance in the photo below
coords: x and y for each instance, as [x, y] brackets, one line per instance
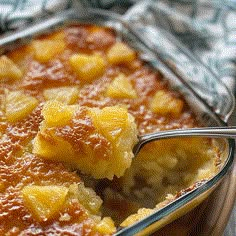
[18, 167]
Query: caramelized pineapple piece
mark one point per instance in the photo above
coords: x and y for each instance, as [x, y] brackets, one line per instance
[46, 144]
[45, 50]
[119, 128]
[44, 202]
[106, 226]
[51, 147]
[142, 213]
[88, 67]
[121, 87]
[8, 69]
[67, 95]
[163, 103]
[110, 121]
[19, 105]
[86, 196]
[56, 113]
[120, 53]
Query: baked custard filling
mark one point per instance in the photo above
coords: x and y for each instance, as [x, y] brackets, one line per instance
[72, 104]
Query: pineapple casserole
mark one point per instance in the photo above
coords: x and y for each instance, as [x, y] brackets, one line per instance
[72, 104]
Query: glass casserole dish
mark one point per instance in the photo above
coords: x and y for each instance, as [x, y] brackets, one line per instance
[191, 197]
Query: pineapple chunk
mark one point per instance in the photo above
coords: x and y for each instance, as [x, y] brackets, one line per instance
[8, 69]
[121, 87]
[19, 105]
[46, 144]
[120, 53]
[44, 202]
[106, 226]
[86, 196]
[67, 95]
[115, 124]
[163, 103]
[141, 214]
[57, 114]
[88, 67]
[45, 50]
[50, 147]
[110, 121]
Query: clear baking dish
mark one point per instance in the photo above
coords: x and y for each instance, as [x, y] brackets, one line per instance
[207, 113]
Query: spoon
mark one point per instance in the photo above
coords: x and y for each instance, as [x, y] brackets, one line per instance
[213, 132]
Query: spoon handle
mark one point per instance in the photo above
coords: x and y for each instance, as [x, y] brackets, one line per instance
[213, 132]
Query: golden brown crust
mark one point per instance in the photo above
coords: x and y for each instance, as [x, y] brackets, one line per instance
[20, 168]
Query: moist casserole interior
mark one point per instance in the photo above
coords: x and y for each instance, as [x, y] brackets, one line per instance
[71, 105]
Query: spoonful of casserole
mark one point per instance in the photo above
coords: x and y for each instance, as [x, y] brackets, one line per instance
[100, 142]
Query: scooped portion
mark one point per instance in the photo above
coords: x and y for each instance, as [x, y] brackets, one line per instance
[96, 141]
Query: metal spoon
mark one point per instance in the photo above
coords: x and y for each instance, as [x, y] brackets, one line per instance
[213, 132]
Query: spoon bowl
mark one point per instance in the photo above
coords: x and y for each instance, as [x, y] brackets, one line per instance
[212, 132]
